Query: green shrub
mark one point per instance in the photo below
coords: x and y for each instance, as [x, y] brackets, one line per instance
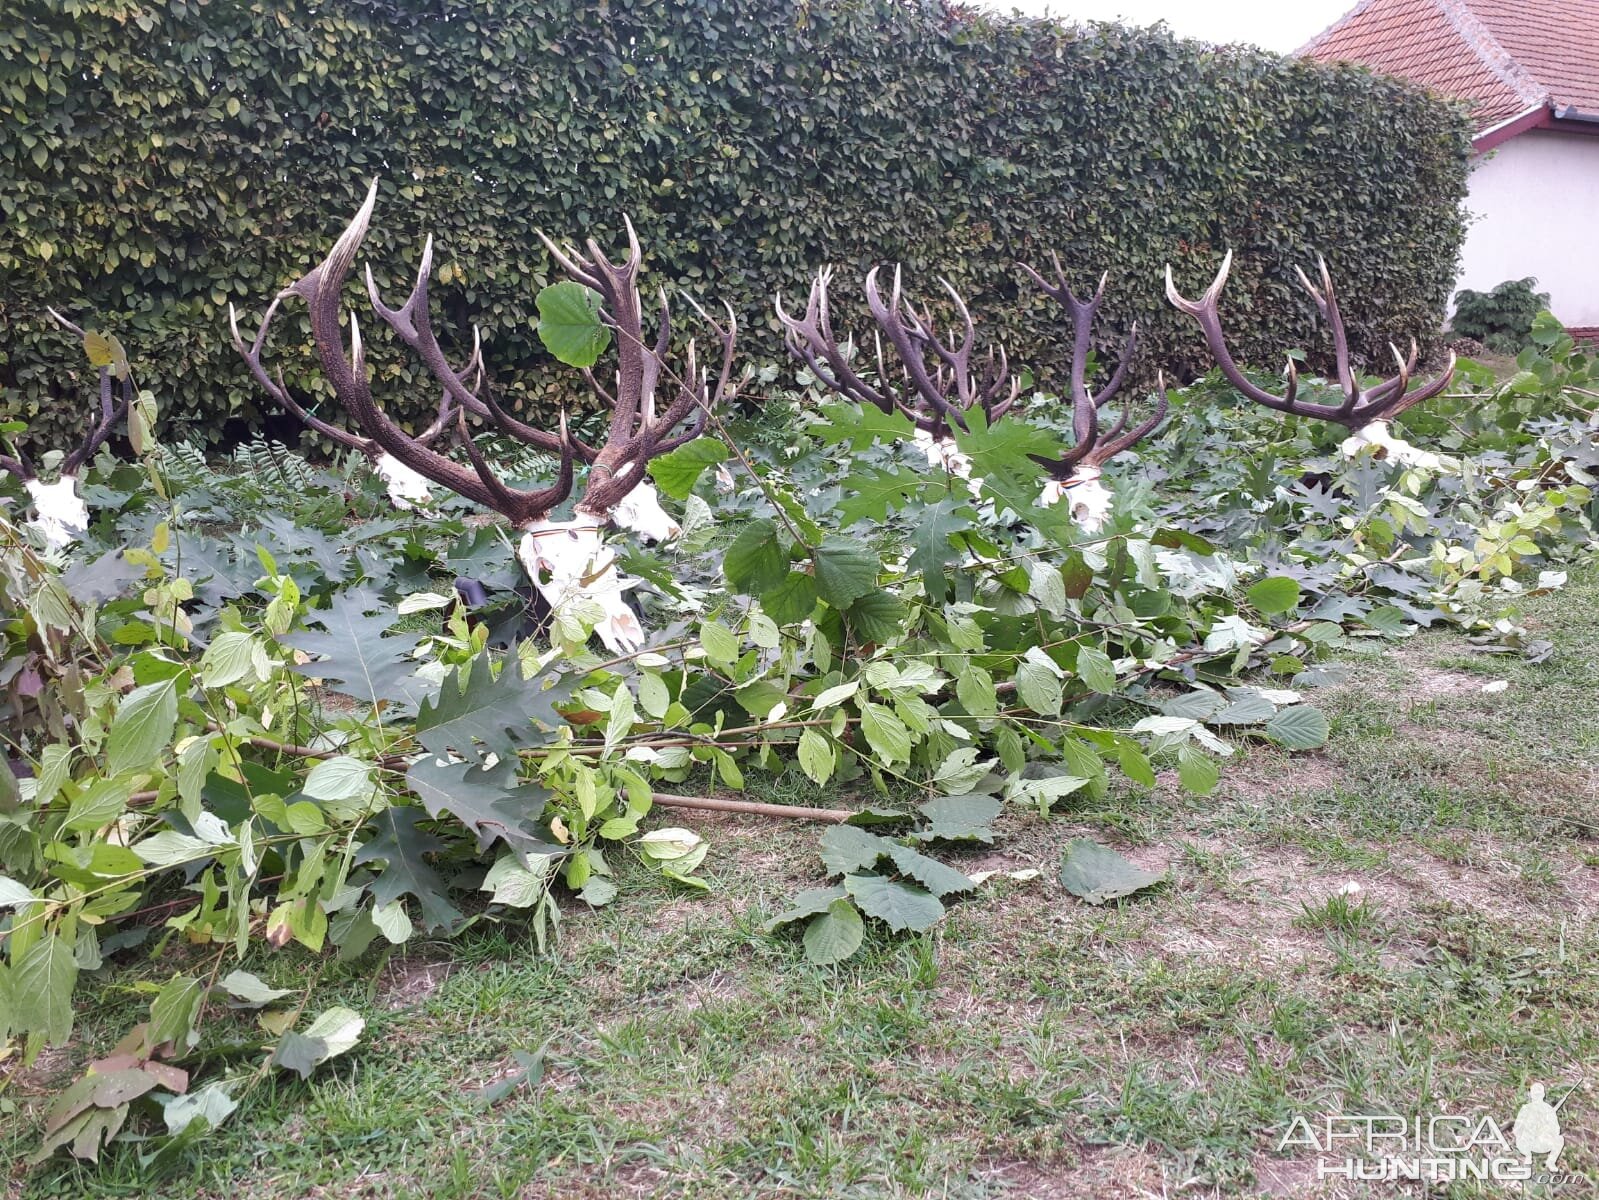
[1501, 319]
[161, 158]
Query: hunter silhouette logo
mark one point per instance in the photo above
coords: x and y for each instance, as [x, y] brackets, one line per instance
[1537, 1127]
[1440, 1147]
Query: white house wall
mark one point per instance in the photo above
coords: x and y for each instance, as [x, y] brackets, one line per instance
[1534, 204]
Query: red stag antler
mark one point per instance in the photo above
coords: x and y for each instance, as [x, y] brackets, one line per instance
[563, 559]
[1079, 467]
[1365, 412]
[320, 288]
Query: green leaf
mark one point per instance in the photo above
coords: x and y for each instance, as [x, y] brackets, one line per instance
[719, 643]
[520, 886]
[816, 755]
[570, 325]
[885, 733]
[13, 894]
[1096, 670]
[876, 617]
[835, 934]
[1298, 727]
[755, 563]
[358, 657]
[974, 688]
[1198, 774]
[935, 876]
[792, 600]
[143, 727]
[340, 778]
[1247, 707]
[41, 989]
[330, 1035]
[930, 546]
[676, 472]
[169, 848]
[898, 905]
[806, 904]
[482, 714]
[208, 1106]
[1276, 594]
[393, 922]
[1388, 619]
[846, 848]
[231, 656]
[1039, 687]
[250, 991]
[490, 802]
[1098, 874]
[173, 1013]
[846, 570]
[402, 847]
[1134, 763]
[102, 802]
[959, 819]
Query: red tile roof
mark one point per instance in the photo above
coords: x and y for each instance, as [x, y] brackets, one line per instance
[1506, 55]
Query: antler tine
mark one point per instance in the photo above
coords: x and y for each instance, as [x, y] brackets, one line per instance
[1111, 445]
[110, 414]
[1326, 300]
[276, 389]
[414, 323]
[570, 261]
[538, 502]
[99, 429]
[726, 390]
[1398, 401]
[1117, 377]
[959, 359]
[447, 406]
[1385, 389]
[1085, 432]
[63, 322]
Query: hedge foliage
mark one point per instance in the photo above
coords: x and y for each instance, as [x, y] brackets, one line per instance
[161, 158]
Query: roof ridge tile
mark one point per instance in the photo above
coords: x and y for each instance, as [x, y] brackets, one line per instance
[1487, 47]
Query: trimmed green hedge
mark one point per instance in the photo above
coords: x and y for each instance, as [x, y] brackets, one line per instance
[159, 159]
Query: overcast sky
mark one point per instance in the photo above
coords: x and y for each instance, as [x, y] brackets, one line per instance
[1280, 25]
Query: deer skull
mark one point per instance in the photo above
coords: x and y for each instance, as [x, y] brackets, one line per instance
[567, 562]
[59, 512]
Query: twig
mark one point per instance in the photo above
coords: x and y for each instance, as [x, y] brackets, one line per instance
[836, 816]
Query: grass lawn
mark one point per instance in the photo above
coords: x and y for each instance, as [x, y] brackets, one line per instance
[1031, 1046]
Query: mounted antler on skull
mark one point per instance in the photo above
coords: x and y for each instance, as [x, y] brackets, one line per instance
[59, 512]
[407, 488]
[1366, 413]
[1078, 469]
[563, 559]
[937, 383]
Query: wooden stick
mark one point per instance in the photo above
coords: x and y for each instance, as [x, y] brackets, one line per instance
[835, 816]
